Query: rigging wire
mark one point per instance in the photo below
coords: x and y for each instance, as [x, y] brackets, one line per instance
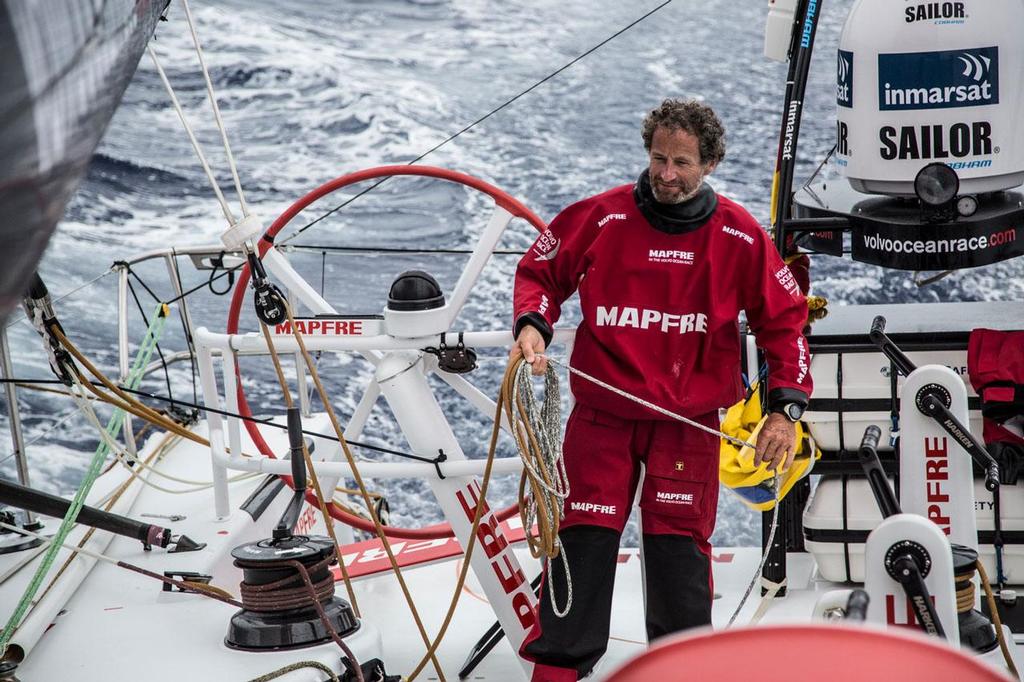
[483, 118]
[66, 294]
[35, 384]
[225, 209]
[216, 111]
[185, 327]
[325, 248]
[163, 360]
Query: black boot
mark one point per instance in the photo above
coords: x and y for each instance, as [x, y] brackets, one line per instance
[580, 638]
[677, 580]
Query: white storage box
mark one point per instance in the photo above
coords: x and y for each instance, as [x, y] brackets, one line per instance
[838, 518]
[863, 381]
[852, 384]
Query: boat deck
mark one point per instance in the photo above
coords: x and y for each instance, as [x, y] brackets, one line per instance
[118, 625]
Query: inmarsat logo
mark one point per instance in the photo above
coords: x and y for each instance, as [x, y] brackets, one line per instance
[938, 80]
[844, 79]
[791, 117]
[976, 67]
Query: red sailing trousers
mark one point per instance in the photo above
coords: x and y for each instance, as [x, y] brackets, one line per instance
[603, 453]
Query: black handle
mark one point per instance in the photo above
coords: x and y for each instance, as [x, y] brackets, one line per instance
[907, 572]
[932, 406]
[50, 505]
[291, 514]
[878, 337]
[295, 444]
[992, 477]
[868, 455]
[872, 434]
[857, 605]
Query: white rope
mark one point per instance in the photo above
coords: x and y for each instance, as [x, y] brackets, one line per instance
[133, 466]
[26, 557]
[649, 405]
[126, 459]
[72, 548]
[546, 424]
[764, 556]
[192, 138]
[216, 109]
[771, 589]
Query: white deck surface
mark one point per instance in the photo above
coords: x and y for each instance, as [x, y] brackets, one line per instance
[120, 626]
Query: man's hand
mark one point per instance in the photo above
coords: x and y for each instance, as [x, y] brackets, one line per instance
[530, 344]
[776, 443]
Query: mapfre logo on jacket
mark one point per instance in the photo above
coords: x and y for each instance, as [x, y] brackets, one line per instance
[644, 318]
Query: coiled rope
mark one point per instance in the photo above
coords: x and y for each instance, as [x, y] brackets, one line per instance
[538, 434]
[965, 602]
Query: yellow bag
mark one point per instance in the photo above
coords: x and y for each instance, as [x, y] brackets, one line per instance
[754, 485]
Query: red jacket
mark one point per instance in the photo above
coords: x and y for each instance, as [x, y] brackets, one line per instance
[660, 310]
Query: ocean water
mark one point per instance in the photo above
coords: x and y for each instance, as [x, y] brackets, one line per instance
[311, 91]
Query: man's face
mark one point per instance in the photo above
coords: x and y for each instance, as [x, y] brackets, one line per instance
[676, 170]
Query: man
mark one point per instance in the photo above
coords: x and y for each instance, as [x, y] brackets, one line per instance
[663, 268]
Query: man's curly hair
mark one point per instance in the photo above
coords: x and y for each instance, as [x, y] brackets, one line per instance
[695, 118]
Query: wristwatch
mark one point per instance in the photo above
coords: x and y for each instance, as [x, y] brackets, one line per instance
[791, 411]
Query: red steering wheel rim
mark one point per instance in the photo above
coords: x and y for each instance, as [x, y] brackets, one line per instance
[501, 198]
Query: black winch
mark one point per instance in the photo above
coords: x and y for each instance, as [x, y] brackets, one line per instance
[287, 586]
[976, 630]
[279, 612]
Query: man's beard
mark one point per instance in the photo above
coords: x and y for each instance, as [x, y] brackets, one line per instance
[684, 192]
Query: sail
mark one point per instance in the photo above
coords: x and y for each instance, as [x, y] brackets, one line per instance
[64, 65]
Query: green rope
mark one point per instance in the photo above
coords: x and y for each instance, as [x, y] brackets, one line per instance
[114, 426]
[134, 378]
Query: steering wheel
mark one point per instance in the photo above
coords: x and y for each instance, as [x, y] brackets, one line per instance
[506, 208]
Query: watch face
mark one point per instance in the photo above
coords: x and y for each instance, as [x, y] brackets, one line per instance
[794, 411]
